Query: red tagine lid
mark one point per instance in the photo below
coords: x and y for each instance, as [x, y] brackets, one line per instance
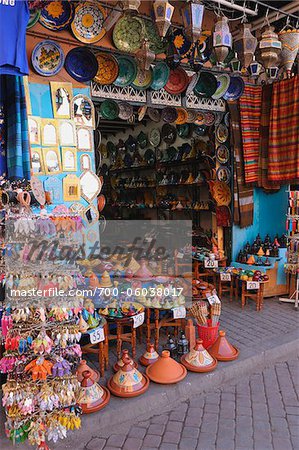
[128, 381]
[222, 349]
[92, 397]
[166, 370]
[199, 359]
[150, 356]
[120, 363]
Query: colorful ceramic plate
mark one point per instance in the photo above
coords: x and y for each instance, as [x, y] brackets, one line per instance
[223, 174]
[128, 33]
[222, 154]
[183, 130]
[57, 15]
[206, 85]
[222, 133]
[81, 64]
[169, 114]
[200, 119]
[34, 16]
[161, 73]
[143, 79]
[227, 119]
[109, 109]
[181, 42]
[141, 112]
[182, 116]
[47, 58]
[127, 71]
[169, 133]
[154, 114]
[209, 119]
[235, 89]
[150, 156]
[177, 82]
[192, 116]
[125, 110]
[221, 193]
[108, 68]
[154, 137]
[157, 45]
[87, 25]
[223, 81]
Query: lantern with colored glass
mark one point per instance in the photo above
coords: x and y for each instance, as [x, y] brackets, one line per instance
[131, 5]
[222, 39]
[192, 14]
[270, 47]
[163, 11]
[182, 345]
[255, 68]
[272, 72]
[245, 45]
[235, 64]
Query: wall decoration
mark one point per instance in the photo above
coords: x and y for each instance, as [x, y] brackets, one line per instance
[85, 162]
[71, 188]
[34, 124]
[128, 33]
[87, 25]
[47, 58]
[192, 14]
[81, 64]
[57, 16]
[67, 132]
[52, 160]
[38, 190]
[49, 132]
[163, 11]
[37, 163]
[61, 94]
[90, 185]
[91, 214]
[222, 39]
[53, 185]
[82, 111]
[84, 139]
[69, 159]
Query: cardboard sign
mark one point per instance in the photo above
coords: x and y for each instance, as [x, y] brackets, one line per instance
[213, 299]
[138, 320]
[210, 263]
[97, 335]
[179, 312]
[251, 285]
[225, 277]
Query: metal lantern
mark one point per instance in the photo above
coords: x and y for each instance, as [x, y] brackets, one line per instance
[192, 14]
[171, 347]
[270, 47]
[272, 72]
[163, 11]
[255, 68]
[182, 345]
[245, 45]
[145, 56]
[130, 5]
[289, 39]
[236, 64]
[222, 39]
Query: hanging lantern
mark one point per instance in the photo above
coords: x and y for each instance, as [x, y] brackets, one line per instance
[235, 64]
[173, 58]
[290, 46]
[245, 45]
[130, 5]
[270, 47]
[222, 39]
[255, 68]
[272, 72]
[145, 56]
[192, 14]
[163, 11]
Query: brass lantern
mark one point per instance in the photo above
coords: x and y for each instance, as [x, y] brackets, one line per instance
[163, 11]
[130, 5]
[245, 45]
[270, 48]
[145, 56]
[192, 14]
[222, 39]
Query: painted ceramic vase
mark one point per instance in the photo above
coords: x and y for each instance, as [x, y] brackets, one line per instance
[92, 397]
[222, 350]
[198, 359]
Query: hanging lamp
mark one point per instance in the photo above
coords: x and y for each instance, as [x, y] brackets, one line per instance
[192, 14]
[163, 12]
[222, 39]
[245, 45]
[130, 5]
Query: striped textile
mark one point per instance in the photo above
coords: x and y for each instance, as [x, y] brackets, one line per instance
[3, 165]
[250, 113]
[283, 163]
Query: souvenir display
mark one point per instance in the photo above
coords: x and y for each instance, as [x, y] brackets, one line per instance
[125, 110]
[87, 25]
[223, 82]
[52, 160]
[222, 154]
[160, 77]
[128, 34]
[61, 94]
[222, 133]
[109, 109]
[222, 39]
[33, 19]
[269, 47]
[127, 71]
[81, 64]
[289, 38]
[107, 68]
[84, 139]
[92, 397]
[57, 16]
[192, 14]
[128, 381]
[235, 88]
[69, 159]
[143, 79]
[177, 81]
[82, 111]
[206, 85]
[47, 58]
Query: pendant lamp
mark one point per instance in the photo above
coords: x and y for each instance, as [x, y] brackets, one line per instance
[192, 14]
[163, 12]
[222, 39]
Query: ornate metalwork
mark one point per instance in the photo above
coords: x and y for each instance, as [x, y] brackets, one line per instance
[110, 91]
[191, 101]
[162, 98]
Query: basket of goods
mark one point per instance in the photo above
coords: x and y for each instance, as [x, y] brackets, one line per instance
[207, 319]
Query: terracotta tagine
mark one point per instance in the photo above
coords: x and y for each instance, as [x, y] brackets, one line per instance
[222, 350]
[150, 356]
[84, 367]
[105, 280]
[143, 272]
[128, 381]
[166, 370]
[92, 397]
[120, 363]
[198, 359]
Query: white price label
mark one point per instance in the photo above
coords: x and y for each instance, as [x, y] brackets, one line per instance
[252, 285]
[179, 312]
[225, 277]
[213, 299]
[180, 255]
[210, 263]
[138, 320]
[97, 335]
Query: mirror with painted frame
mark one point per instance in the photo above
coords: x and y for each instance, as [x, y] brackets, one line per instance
[37, 163]
[69, 159]
[85, 162]
[49, 132]
[84, 139]
[90, 185]
[52, 160]
[82, 111]
[67, 132]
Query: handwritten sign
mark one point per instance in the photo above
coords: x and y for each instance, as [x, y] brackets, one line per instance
[180, 255]
[210, 263]
[97, 335]
[213, 299]
[179, 312]
[251, 285]
[138, 320]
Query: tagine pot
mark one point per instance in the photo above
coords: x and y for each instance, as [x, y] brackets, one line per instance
[128, 381]
[92, 397]
[150, 356]
[222, 350]
[84, 367]
[143, 273]
[106, 280]
[199, 359]
[166, 370]
[120, 363]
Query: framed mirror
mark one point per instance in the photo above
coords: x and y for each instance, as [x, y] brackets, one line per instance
[52, 160]
[71, 188]
[37, 163]
[38, 190]
[69, 159]
[34, 124]
[82, 111]
[85, 162]
[90, 185]
[77, 208]
[62, 94]
[49, 132]
[67, 132]
[54, 186]
[91, 214]
[84, 139]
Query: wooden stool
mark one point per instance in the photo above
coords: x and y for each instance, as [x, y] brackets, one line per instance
[159, 323]
[257, 297]
[226, 286]
[101, 349]
[121, 336]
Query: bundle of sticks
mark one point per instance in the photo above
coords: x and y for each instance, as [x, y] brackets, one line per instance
[199, 310]
[215, 313]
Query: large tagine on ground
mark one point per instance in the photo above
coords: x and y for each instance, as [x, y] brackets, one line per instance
[128, 381]
[222, 350]
[199, 359]
[120, 363]
[92, 397]
[150, 356]
[166, 370]
[83, 367]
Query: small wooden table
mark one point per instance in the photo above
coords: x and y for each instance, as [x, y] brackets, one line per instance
[101, 349]
[257, 295]
[121, 336]
[159, 323]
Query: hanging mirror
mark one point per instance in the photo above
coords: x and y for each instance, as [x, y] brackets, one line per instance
[38, 190]
[91, 214]
[85, 162]
[90, 185]
[71, 188]
[69, 159]
[34, 130]
[67, 132]
[53, 185]
[37, 163]
[62, 94]
[52, 160]
[49, 132]
[84, 139]
[82, 111]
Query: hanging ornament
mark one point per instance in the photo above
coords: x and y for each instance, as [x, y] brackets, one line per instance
[163, 11]
[192, 14]
[245, 45]
[235, 64]
[173, 58]
[222, 39]
[145, 56]
[130, 5]
[255, 68]
[289, 39]
[270, 47]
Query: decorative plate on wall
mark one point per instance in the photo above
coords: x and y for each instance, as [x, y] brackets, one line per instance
[127, 71]
[206, 85]
[125, 110]
[87, 25]
[161, 73]
[128, 33]
[223, 174]
[143, 79]
[222, 133]
[223, 81]
[34, 16]
[157, 45]
[108, 68]
[109, 109]
[47, 58]
[222, 154]
[81, 64]
[57, 15]
[181, 42]
[154, 137]
[235, 88]
[177, 82]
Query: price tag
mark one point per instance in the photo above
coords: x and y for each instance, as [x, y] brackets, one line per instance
[210, 264]
[213, 299]
[179, 312]
[252, 285]
[97, 335]
[138, 320]
[180, 255]
[225, 277]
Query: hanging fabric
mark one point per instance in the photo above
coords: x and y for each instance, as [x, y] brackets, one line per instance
[284, 132]
[243, 195]
[250, 112]
[3, 119]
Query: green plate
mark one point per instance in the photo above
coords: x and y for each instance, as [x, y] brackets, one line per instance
[157, 45]
[161, 73]
[109, 109]
[128, 34]
[206, 85]
[34, 16]
[223, 81]
[127, 71]
[143, 79]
